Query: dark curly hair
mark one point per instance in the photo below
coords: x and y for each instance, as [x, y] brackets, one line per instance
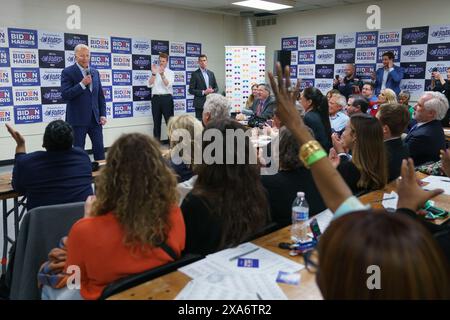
[139, 188]
[58, 136]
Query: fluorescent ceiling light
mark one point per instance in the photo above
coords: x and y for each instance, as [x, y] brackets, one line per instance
[263, 5]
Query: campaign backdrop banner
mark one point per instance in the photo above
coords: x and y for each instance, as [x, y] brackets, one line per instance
[317, 59]
[31, 63]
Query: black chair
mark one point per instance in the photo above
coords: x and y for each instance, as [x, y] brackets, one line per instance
[40, 231]
[137, 279]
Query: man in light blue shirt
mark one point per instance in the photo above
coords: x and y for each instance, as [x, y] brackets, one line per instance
[338, 119]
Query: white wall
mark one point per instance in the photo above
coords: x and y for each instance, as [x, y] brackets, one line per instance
[395, 14]
[115, 18]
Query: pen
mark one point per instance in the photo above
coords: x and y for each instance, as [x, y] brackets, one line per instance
[445, 180]
[259, 297]
[243, 254]
[381, 200]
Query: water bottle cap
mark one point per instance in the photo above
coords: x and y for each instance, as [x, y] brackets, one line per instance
[300, 194]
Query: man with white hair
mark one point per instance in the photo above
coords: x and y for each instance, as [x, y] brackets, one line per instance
[338, 119]
[86, 108]
[216, 106]
[426, 138]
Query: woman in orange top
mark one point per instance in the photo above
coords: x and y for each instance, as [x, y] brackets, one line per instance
[134, 213]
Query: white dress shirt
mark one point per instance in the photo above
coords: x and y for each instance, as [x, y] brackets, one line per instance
[158, 87]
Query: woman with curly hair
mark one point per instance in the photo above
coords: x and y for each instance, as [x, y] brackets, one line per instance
[133, 224]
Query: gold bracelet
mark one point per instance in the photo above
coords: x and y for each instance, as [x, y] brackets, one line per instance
[311, 152]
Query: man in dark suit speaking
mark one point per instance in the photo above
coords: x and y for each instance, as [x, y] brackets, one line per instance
[86, 108]
[203, 82]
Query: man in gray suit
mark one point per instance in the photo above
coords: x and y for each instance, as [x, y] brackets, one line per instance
[264, 106]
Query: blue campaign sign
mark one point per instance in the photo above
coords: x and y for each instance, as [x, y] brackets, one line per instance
[22, 38]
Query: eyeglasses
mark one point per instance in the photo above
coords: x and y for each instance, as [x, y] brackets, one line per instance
[311, 260]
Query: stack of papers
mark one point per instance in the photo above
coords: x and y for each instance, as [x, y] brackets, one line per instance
[245, 272]
[437, 182]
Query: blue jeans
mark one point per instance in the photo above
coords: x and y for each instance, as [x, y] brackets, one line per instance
[49, 293]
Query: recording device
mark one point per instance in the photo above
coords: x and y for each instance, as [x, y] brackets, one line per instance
[337, 77]
[434, 70]
[88, 72]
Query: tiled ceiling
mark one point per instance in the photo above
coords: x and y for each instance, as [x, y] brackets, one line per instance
[226, 7]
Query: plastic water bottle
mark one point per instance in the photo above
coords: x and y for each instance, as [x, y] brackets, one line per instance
[300, 216]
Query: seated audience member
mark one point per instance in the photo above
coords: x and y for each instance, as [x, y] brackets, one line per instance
[385, 96]
[264, 106]
[367, 91]
[253, 96]
[216, 106]
[61, 174]
[228, 203]
[357, 104]
[348, 85]
[426, 137]
[292, 177]
[366, 169]
[181, 162]
[403, 98]
[355, 233]
[407, 256]
[338, 119]
[394, 119]
[316, 115]
[439, 84]
[131, 226]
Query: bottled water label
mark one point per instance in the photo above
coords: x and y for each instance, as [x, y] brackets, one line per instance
[300, 214]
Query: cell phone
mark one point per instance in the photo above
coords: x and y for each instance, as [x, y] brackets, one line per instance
[314, 225]
[337, 77]
[434, 70]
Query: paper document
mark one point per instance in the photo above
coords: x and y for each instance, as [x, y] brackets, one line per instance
[390, 200]
[437, 182]
[200, 290]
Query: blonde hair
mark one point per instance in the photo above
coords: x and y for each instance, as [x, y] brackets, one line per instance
[390, 95]
[193, 126]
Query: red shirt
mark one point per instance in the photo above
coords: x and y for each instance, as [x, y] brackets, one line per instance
[96, 245]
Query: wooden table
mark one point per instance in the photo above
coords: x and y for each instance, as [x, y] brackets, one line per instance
[168, 286]
[375, 198]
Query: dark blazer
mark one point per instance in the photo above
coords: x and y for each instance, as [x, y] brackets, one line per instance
[268, 108]
[53, 177]
[197, 85]
[396, 152]
[282, 190]
[393, 80]
[425, 142]
[314, 121]
[81, 103]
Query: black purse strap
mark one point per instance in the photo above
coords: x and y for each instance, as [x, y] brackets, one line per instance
[169, 251]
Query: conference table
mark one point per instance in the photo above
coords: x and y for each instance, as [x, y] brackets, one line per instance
[168, 286]
[18, 209]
